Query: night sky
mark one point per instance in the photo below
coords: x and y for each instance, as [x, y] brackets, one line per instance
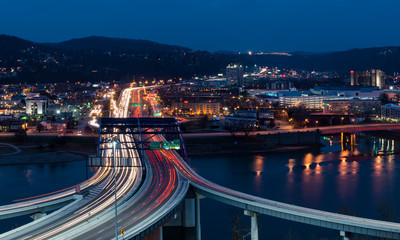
[234, 25]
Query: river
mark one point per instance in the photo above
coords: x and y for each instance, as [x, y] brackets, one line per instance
[22, 181]
[327, 178]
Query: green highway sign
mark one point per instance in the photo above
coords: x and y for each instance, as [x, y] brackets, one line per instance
[136, 104]
[155, 145]
[165, 145]
[174, 144]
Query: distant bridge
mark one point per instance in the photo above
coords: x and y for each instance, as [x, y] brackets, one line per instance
[360, 129]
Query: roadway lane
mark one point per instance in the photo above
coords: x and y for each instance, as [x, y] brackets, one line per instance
[95, 204]
[128, 180]
[162, 190]
[164, 187]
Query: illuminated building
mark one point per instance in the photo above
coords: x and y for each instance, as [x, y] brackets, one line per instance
[374, 78]
[307, 98]
[234, 75]
[196, 108]
[252, 119]
[36, 105]
[390, 112]
[279, 85]
[10, 107]
[346, 91]
[353, 106]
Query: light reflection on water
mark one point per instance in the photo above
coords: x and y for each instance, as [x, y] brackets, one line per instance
[327, 179]
[311, 171]
[258, 167]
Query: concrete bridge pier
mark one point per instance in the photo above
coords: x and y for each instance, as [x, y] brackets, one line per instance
[198, 226]
[344, 235]
[185, 224]
[353, 141]
[254, 224]
[37, 215]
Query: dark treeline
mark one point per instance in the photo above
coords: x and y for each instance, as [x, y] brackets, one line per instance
[105, 59]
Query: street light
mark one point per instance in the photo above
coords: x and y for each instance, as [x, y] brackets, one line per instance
[115, 142]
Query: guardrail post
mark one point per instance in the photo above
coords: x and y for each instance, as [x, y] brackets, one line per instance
[254, 224]
[344, 235]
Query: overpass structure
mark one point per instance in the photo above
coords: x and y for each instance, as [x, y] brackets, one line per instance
[151, 188]
[159, 129]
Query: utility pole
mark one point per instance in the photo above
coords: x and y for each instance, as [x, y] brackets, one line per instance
[115, 142]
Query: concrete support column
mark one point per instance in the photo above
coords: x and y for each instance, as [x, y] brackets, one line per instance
[189, 219]
[353, 141]
[198, 226]
[343, 141]
[254, 224]
[344, 235]
[161, 233]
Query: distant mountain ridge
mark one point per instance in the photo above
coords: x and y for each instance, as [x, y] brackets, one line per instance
[104, 58]
[11, 44]
[114, 44]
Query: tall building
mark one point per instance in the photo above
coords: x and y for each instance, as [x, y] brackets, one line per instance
[390, 112]
[373, 77]
[36, 105]
[234, 75]
[279, 85]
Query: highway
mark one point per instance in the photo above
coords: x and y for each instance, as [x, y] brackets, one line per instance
[142, 202]
[162, 191]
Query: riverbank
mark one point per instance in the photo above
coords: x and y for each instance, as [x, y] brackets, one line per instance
[53, 143]
[237, 145]
[45, 149]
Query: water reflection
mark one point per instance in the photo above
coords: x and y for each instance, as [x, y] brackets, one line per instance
[28, 174]
[347, 179]
[326, 180]
[258, 167]
[312, 181]
[385, 146]
[291, 164]
[346, 164]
